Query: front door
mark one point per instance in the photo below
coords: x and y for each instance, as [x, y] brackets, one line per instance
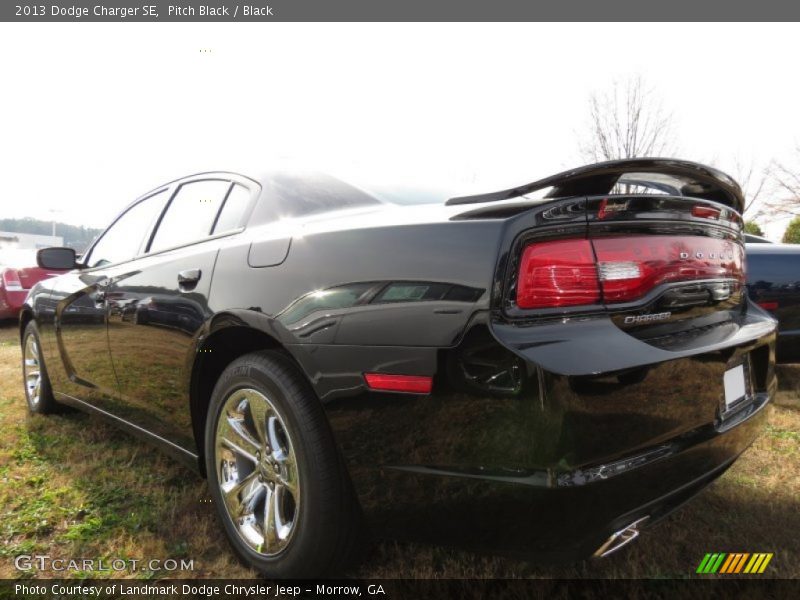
[85, 371]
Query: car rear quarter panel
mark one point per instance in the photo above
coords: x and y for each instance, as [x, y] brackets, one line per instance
[335, 345]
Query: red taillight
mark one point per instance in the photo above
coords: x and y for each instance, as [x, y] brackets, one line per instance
[620, 269]
[629, 267]
[558, 273]
[11, 280]
[415, 384]
[768, 305]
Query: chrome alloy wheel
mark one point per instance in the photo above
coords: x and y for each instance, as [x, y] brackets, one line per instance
[257, 471]
[32, 371]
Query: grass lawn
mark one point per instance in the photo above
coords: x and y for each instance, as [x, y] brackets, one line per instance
[72, 486]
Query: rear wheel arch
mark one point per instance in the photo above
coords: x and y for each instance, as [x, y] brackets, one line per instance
[213, 355]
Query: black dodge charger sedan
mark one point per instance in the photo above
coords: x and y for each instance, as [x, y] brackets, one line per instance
[545, 370]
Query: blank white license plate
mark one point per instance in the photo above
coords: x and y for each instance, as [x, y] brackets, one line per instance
[735, 386]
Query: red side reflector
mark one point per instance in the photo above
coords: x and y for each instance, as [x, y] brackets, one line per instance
[558, 273]
[768, 305]
[415, 384]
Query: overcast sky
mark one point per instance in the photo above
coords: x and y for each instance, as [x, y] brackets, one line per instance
[96, 114]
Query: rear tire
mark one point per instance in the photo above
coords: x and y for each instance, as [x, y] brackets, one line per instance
[38, 392]
[277, 479]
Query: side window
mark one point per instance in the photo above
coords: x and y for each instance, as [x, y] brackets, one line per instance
[123, 239]
[191, 214]
[233, 209]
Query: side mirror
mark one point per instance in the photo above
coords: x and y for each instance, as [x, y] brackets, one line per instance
[56, 258]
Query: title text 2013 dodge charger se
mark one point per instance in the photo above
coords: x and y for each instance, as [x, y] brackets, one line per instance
[546, 376]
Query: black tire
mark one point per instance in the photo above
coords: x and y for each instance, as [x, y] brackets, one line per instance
[40, 400]
[326, 527]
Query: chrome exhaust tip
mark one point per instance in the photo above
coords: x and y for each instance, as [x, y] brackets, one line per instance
[621, 538]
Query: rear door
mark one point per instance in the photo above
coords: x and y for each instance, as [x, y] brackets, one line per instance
[157, 307]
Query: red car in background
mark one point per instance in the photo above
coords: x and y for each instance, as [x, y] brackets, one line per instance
[18, 274]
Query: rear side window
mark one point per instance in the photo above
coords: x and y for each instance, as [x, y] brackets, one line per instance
[233, 209]
[190, 216]
[123, 240]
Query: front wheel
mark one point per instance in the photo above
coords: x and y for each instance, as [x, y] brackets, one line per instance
[274, 472]
[37, 385]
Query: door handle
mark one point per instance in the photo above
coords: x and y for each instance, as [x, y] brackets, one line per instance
[189, 277]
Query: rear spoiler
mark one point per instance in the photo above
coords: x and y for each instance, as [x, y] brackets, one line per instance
[671, 176]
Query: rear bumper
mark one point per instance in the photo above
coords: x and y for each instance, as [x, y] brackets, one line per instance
[11, 302]
[553, 470]
[530, 514]
[553, 523]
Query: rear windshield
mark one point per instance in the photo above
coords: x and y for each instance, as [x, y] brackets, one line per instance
[288, 195]
[407, 194]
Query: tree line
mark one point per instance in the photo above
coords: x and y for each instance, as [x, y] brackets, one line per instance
[75, 236]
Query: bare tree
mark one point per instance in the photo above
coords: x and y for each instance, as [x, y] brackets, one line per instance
[753, 180]
[627, 121]
[784, 197]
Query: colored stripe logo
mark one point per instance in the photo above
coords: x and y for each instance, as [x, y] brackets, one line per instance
[735, 562]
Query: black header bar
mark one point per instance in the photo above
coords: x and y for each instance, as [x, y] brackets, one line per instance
[404, 10]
